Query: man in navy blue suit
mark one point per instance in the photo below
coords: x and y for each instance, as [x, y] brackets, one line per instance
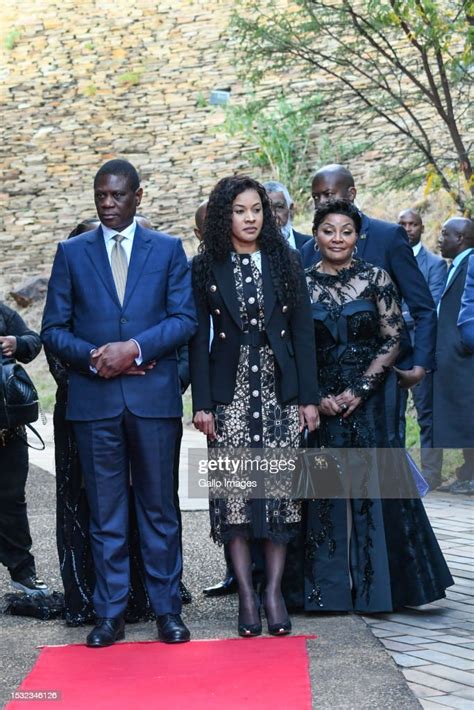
[454, 381]
[434, 271]
[119, 305]
[386, 245]
[466, 314]
[283, 209]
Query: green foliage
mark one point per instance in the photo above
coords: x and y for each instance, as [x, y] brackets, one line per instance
[12, 38]
[394, 70]
[89, 46]
[90, 90]
[201, 101]
[331, 151]
[277, 135]
[129, 77]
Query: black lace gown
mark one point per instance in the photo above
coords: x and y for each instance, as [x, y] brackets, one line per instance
[72, 524]
[370, 554]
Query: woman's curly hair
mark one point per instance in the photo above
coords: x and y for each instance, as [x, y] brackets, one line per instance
[345, 207]
[217, 239]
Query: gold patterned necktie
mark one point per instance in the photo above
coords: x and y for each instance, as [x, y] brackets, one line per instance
[119, 265]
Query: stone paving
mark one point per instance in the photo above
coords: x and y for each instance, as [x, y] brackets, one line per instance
[433, 645]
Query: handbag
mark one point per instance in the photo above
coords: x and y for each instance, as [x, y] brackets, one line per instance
[421, 485]
[19, 403]
[318, 473]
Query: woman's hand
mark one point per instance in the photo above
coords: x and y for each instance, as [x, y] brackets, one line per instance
[8, 345]
[204, 422]
[347, 403]
[309, 416]
[329, 407]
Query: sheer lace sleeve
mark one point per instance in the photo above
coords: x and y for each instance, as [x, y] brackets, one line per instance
[57, 369]
[388, 345]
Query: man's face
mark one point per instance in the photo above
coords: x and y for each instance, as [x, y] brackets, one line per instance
[115, 201]
[329, 187]
[450, 240]
[413, 226]
[279, 207]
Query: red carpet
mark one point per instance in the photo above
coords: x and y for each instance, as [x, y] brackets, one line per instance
[259, 673]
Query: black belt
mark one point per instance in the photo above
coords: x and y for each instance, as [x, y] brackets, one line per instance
[255, 338]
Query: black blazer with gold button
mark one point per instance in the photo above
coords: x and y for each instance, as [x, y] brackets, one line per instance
[289, 332]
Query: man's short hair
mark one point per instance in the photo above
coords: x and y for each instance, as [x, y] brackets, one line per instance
[274, 186]
[122, 168]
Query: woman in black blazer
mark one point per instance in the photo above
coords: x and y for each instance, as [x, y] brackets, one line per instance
[254, 387]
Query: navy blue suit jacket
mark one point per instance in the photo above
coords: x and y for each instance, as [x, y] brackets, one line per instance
[301, 239]
[83, 312]
[453, 384]
[435, 271]
[466, 314]
[385, 244]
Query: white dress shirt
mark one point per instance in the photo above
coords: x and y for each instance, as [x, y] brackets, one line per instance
[127, 243]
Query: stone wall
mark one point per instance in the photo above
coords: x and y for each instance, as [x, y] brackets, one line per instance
[89, 80]
[84, 81]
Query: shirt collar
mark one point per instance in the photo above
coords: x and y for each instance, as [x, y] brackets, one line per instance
[128, 232]
[416, 249]
[460, 257]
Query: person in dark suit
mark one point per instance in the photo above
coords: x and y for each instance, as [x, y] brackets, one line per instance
[119, 304]
[386, 245]
[453, 380]
[283, 209]
[466, 314]
[434, 271]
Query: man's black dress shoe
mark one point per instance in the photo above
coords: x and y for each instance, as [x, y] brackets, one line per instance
[227, 586]
[106, 632]
[466, 488]
[185, 594]
[171, 629]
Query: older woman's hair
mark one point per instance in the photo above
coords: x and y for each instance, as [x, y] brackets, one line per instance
[344, 207]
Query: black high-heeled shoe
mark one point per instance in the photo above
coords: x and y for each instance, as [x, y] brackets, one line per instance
[280, 628]
[250, 630]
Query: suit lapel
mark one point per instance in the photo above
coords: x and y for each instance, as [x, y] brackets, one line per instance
[97, 253]
[140, 251]
[269, 295]
[364, 236]
[462, 267]
[422, 259]
[224, 274]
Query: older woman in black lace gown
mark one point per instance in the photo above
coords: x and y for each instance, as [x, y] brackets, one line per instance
[367, 554]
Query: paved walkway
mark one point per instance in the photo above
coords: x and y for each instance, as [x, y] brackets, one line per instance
[433, 645]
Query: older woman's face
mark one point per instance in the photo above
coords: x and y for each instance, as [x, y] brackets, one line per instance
[336, 237]
[247, 221]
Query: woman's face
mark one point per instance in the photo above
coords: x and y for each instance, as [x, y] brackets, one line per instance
[336, 237]
[247, 221]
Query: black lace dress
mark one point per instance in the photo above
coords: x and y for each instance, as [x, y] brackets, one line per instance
[72, 524]
[364, 554]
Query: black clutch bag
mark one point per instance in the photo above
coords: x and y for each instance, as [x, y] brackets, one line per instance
[318, 473]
